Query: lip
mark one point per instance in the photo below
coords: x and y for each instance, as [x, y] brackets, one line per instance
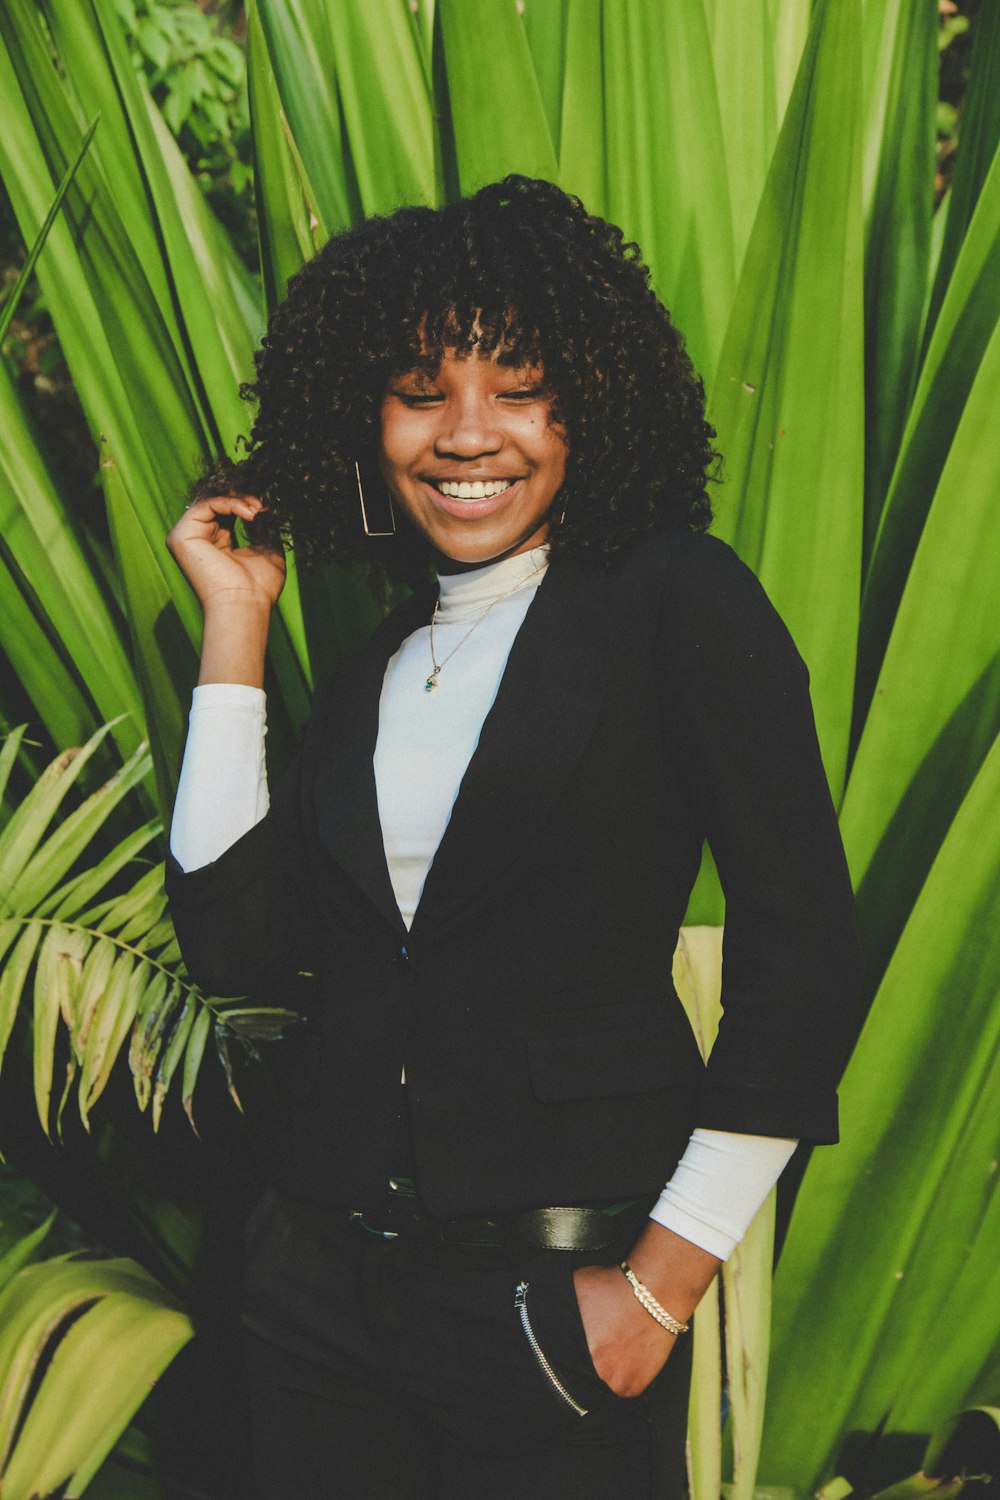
[471, 510]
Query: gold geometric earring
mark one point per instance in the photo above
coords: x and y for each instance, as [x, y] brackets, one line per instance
[364, 513]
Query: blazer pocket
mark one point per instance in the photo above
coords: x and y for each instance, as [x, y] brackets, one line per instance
[622, 1049]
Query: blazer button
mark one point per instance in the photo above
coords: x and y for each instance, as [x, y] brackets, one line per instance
[403, 958]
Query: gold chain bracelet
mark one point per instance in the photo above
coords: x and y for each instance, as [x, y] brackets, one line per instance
[649, 1302]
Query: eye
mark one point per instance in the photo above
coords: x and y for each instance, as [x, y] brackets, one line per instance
[529, 393]
[418, 398]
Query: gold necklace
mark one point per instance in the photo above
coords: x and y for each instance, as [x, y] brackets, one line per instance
[431, 682]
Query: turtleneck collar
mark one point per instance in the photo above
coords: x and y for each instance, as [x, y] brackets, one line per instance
[469, 593]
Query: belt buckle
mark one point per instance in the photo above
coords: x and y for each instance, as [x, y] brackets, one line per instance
[358, 1218]
[404, 1192]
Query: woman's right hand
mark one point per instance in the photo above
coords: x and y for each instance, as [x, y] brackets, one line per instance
[222, 574]
[238, 587]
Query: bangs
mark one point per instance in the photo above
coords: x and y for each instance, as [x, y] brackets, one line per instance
[470, 327]
[477, 328]
[475, 287]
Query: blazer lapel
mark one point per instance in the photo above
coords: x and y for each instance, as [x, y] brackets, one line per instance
[548, 699]
[547, 702]
[345, 798]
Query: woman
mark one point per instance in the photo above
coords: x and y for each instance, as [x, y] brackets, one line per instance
[502, 1177]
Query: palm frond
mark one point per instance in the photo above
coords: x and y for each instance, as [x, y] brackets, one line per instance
[81, 1342]
[100, 968]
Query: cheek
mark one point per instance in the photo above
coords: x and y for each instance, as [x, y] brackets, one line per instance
[395, 446]
[556, 451]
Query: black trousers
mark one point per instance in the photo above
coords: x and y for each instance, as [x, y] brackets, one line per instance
[392, 1369]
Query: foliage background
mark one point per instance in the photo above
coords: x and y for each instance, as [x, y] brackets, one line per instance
[824, 304]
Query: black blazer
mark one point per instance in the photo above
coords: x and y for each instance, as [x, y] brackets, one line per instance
[548, 1058]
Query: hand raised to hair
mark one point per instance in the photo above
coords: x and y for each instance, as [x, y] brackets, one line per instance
[221, 573]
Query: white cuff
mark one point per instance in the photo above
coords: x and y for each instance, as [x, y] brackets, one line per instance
[222, 790]
[719, 1184]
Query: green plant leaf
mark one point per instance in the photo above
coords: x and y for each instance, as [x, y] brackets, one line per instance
[56, 572]
[24, 275]
[120, 1025]
[545, 31]
[787, 401]
[163, 642]
[152, 1029]
[705, 1403]
[22, 1250]
[936, 707]
[385, 98]
[114, 1331]
[490, 143]
[10, 748]
[79, 891]
[119, 999]
[901, 143]
[94, 982]
[746, 1280]
[179, 241]
[193, 1056]
[58, 976]
[290, 225]
[12, 979]
[39, 667]
[665, 180]
[884, 1225]
[23, 832]
[968, 316]
[298, 44]
[172, 1054]
[978, 142]
[131, 915]
[582, 158]
[129, 373]
[57, 854]
[744, 54]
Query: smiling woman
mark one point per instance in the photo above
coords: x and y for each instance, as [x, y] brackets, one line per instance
[501, 1176]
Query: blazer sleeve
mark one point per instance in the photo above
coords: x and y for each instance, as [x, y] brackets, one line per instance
[246, 923]
[745, 736]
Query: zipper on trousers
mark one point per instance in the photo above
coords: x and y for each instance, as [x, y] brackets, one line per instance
[521, 1303]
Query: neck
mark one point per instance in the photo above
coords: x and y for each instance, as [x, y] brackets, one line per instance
[463, 593]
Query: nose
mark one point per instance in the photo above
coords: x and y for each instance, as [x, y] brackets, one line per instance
[468, 428]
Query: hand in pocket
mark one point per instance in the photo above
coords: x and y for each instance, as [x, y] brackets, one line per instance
[628, 1347]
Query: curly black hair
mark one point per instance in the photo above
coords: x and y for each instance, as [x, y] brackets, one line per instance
[518, 270]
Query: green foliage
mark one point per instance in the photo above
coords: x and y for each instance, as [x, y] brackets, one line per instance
[81, 1342]
[197, 76]
[100, 962]
[844, 316]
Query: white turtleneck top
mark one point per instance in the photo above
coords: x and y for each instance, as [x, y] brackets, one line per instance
[424, 744]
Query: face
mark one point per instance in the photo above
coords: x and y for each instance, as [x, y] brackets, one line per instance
[472, 456]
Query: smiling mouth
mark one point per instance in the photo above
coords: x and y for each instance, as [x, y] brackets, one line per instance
[471, 489]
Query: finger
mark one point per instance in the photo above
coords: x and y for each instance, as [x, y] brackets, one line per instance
[213, 508]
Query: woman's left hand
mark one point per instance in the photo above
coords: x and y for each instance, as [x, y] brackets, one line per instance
[627, 1346]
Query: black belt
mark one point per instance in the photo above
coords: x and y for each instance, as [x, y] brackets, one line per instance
[557, 1228]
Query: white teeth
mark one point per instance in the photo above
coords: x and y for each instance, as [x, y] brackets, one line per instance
[476, 489]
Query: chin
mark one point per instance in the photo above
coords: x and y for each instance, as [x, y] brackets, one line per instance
[486, 552]
[487, 547]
